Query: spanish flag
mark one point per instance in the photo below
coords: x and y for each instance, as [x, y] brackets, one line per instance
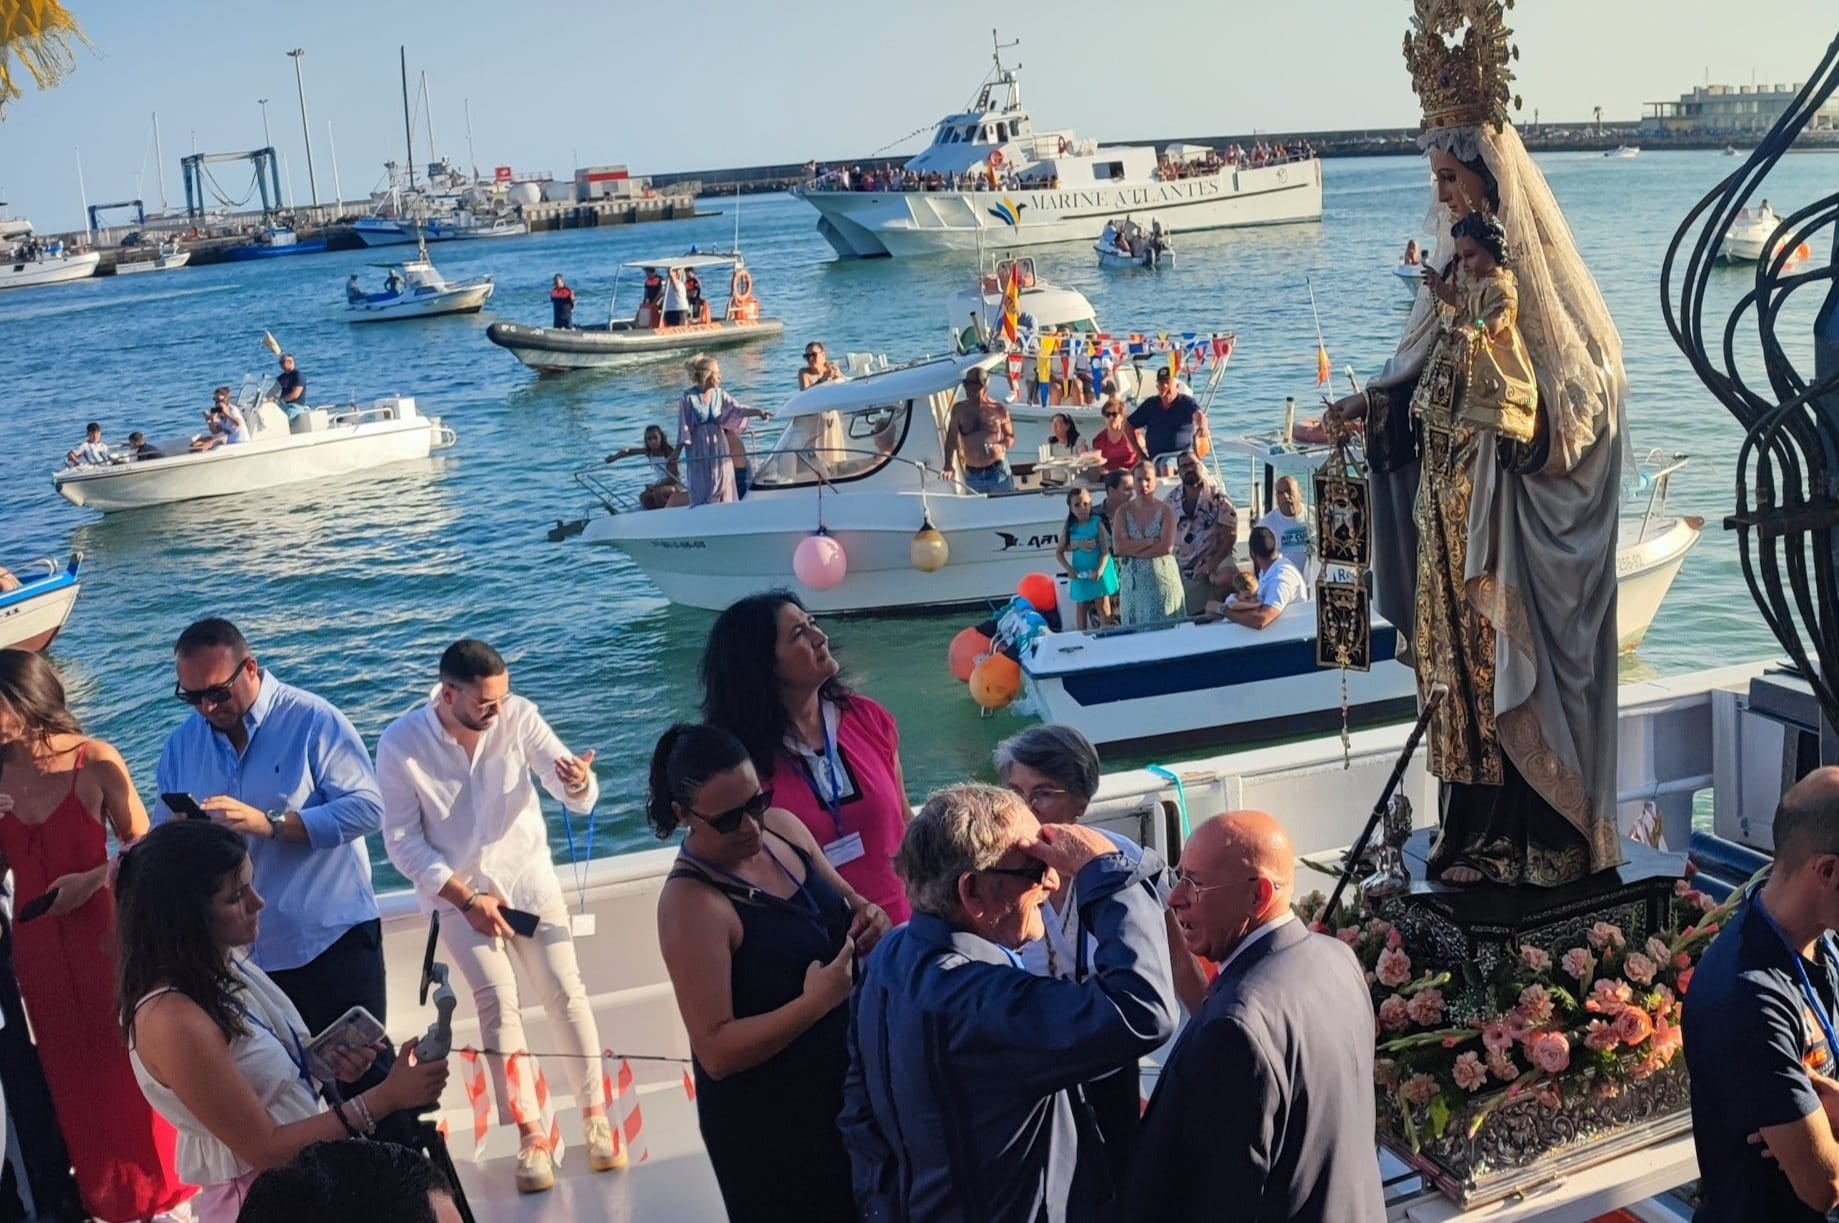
[1012, 307]
[1324, 368]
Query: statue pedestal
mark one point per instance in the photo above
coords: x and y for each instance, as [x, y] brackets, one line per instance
[1477, 933]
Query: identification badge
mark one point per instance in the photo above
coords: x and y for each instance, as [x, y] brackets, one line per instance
[844, 850]
[581, 925]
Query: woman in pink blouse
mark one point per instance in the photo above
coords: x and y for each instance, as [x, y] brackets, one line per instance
[829, 756]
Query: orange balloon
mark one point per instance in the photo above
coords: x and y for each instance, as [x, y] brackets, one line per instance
[966, 648]
[996, 681]
[1039, 590]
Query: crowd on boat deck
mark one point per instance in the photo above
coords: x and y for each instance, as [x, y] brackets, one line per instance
[898, 178]
[225, 425]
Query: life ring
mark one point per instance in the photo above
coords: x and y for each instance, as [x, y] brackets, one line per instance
[996, 159]
[741, 287]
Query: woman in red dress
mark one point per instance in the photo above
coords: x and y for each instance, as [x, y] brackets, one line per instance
[57, 792]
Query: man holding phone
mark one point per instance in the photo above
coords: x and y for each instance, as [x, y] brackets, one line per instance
[288, 771]
[462, 821]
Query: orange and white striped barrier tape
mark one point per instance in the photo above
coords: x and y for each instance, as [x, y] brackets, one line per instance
[623, 1097]
[472, 1077]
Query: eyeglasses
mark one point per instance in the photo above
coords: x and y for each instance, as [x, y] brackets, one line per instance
[1034, 872]
[810, 353]
[1046, 794]
[1184, 879]
[216, 694]
[729, 821]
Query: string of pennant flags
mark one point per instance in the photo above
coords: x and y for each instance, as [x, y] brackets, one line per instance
[1196, 348]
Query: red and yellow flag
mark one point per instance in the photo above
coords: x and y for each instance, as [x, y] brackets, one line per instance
[1324, 368]
[1012, 306]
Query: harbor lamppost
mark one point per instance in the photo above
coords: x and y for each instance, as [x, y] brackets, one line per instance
[312, 183]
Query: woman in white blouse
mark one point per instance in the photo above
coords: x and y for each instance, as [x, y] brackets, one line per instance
[216, 1046]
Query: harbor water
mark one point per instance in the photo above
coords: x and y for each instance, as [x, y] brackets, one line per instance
[351, 588]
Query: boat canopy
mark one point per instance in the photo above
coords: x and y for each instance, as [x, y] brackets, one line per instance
[919, 380]
[687, 262]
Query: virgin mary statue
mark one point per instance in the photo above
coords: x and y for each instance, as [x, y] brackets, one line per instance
[1495, 556]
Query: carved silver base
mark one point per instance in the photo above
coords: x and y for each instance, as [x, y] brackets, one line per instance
[1525, 1144]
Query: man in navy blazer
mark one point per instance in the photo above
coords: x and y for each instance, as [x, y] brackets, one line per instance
[1264, 1109]
[961, 1104]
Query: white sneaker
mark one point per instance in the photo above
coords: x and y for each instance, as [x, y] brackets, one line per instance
[601, 1154]
[536, 1171]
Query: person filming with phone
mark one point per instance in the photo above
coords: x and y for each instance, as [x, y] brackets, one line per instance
[217, 1048]
[461, 820]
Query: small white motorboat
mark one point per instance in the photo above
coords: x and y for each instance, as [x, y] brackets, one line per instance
[1131, 246]
[33, 614]
[414, 289]
[1748, 237]
[394, 231]
[1624, 151]
[315, 444]
[645, 334]
[1730, 150]
[1410, 276]
[167, 257]
[35, 261]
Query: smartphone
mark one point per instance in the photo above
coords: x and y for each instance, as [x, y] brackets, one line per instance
[184, 806]
[524, 924]
[37, 908]
[356, 1029]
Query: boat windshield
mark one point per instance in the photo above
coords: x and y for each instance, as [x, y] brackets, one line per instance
[831, 447]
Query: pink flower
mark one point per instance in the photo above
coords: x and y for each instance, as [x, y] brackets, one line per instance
[1608, 997]
[1469, 1073]
[1639, 969]
[1393, 968]
[1661, 1000]
[1684, 982]
[1704, 902]
[1603, 936]
[1501, 1066]
[1549, 1051]
[1371, 979]
[1420, 1090]
[1547, 1095]
[1577, 963]
[1535, 959]
[1605, 1089]
[1600, 1036]
[1632, 1026]
[1496, 1035]
[1536, 1003]
[1394, 1014]
[1426, 1007]
[1385, 1072]
[1682, 960]
[1348, 934]
[1316, 927]
[1378, 929]
[1518, 1026]
[1681, 887]
[1394, 940]
[1668, 1040]
[1657, 950]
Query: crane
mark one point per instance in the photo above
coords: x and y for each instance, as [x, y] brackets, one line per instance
[96, 211]
[267, 180]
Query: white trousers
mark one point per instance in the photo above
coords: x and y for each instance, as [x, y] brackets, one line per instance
[547, 963]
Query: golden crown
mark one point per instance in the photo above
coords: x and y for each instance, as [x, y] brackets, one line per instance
[1465, 83]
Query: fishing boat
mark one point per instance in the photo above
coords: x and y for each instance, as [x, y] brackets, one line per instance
[33, 613]
[414, 289]
[275, 241]
[989, 174]
[457, 227]
[167, 257]
[314, 444]
[1624, 151]
[1130, 246]
[34, 261]
[645, 334]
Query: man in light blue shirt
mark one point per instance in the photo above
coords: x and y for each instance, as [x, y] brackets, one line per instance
[289, 772]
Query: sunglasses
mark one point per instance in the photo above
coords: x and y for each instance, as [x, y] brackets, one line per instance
[1113, 415]
[728, 822]
[216, 694]
[810, 353]
[1034, 872]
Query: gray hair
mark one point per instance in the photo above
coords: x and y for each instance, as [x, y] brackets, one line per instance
[1059, 753]
[960, 830]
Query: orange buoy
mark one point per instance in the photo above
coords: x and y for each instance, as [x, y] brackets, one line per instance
[996, 681]
[966, 648]
[1039, 590]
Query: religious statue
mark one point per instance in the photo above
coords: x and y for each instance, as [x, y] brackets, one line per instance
[1494, 544]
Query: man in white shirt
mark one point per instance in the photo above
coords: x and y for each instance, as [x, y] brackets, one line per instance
[1279, 584]
[1294, 530]
[462, 822]
[92, 451]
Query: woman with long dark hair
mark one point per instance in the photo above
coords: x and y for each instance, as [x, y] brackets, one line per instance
[761, 936]
[219, 1050]
[832, 756]
[61, 794]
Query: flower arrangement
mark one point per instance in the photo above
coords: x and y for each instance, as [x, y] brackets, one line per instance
[1551, 1025]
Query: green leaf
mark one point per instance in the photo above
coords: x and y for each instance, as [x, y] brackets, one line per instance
[1439, 1115]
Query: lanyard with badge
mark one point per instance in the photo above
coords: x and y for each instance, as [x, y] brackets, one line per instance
[844, 848]
[1814, 1004]
[297, 1055]
[580, 922]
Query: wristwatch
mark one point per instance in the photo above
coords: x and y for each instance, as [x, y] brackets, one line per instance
[277, 820]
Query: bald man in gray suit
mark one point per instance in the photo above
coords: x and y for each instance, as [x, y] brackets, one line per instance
[1264, 1109]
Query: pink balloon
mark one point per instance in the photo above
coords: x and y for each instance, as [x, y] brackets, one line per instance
[819, 562]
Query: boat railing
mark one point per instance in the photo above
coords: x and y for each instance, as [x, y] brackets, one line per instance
[355, 415]
[1655, 475]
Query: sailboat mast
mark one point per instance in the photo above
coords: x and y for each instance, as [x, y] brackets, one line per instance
[428, 105]
[408, 128]
[472, 159]
[159, 160]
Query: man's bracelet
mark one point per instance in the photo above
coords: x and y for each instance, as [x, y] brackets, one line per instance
[470, 902]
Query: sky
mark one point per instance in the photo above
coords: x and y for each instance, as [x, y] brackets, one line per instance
[665, 87]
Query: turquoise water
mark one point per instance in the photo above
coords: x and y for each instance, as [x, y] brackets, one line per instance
[352, 588]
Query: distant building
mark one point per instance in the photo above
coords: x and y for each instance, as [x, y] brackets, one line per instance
[1721, 109]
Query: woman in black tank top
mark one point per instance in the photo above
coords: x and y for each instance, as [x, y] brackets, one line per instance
[762, 938]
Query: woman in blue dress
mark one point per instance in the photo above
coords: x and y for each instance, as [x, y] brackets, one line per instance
[1085, 554]
[705, 417]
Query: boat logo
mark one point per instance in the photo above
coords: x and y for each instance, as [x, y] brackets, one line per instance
[1035, 543]
[1008, 212]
